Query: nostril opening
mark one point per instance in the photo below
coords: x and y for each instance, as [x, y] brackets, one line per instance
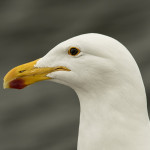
[22, 71]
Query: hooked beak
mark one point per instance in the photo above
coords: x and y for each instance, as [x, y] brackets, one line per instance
[26, 74]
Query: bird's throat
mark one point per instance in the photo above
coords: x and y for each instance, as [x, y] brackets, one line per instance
[104, 125]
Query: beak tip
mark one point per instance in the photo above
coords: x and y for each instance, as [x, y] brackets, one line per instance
[5, 86]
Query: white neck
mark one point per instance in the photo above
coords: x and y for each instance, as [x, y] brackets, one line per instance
[113, 119]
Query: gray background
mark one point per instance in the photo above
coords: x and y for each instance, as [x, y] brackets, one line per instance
[45, 116]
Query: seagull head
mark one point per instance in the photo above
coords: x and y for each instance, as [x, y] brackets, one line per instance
[80, 62]
[108, 83]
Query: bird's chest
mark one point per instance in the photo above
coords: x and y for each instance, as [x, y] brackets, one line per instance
[113, 136]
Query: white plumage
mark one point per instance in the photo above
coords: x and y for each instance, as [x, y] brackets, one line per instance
[108, 83]
[110, 89]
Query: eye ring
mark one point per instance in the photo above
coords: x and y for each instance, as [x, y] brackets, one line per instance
[73, 51]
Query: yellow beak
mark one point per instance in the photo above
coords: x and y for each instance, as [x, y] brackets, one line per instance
[26, 74]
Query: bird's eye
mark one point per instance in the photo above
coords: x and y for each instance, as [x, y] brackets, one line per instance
[73, 51]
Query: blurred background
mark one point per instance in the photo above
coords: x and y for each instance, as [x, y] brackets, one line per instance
[45, 116]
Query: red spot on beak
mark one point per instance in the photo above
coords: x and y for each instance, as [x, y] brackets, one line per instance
[17, 84]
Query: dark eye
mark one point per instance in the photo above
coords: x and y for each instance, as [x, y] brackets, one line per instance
[73, 51]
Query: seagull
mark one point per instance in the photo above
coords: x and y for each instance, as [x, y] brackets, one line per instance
[109, 86]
